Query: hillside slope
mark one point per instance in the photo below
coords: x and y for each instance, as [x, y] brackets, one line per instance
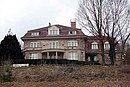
[70, 76]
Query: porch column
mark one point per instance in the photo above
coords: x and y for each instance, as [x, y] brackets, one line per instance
[47, 55]
[56, 55]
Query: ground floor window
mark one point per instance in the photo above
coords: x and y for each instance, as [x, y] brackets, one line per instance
[33, 56]
[96, 58]
[72, 56]
[89, 59]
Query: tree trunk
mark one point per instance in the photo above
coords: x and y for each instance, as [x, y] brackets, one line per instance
[92, 60]
[122, 52]
[102, 52]
[112, 54]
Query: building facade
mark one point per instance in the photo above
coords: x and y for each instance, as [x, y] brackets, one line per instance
[61, 42]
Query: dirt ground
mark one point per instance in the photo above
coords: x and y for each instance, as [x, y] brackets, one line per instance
[68, 84]
[70, 76]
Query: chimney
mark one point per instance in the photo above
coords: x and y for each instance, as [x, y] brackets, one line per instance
[49, 24]
[73, 24]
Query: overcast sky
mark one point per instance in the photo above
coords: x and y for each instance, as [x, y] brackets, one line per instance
[23, 15]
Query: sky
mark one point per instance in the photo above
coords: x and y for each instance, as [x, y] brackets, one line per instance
[23, 15]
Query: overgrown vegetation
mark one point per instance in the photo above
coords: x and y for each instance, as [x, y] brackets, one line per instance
[6, 76]
[6, 73]
[70, 73]
[73, 75]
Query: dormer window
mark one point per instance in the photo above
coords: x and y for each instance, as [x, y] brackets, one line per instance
[53, 31]
[72, 32]
[35, 34]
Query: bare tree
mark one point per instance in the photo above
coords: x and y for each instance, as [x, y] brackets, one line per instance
[106, 18]
[116, 25]
[89, 15]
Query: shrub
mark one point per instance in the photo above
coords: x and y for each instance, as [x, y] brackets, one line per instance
[6, 76]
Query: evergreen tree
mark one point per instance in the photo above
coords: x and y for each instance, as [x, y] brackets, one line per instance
[10, 48]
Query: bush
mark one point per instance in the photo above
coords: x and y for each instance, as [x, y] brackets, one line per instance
[7, 76]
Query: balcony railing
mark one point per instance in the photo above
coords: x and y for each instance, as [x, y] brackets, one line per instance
[48, 48]
[32, 48]
[54, 57]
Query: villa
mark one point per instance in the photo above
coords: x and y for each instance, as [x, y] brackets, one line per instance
[62, 42]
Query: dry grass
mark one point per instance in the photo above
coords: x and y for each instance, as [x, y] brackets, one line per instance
[70, 76]
[68, 84]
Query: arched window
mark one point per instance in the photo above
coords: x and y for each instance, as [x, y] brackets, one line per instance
[94, 45]
[106, 45]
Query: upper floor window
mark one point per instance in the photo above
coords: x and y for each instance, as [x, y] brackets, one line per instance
[106, 45]
[35, 33]
[33, 56]
[54, 44]
[34, 44]
[72, 32]
[94, 45]
[72, 56]
[53, 31]
[72, 43]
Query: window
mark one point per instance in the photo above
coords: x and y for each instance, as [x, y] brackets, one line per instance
[72, 32]
[73, 43]
[96, 58]
[89, 59]
[106, 45]
[54, 44]
[35, 44]
[53, 31]
[94, 45]
[35, 33]
[72, 56]
[33, 56]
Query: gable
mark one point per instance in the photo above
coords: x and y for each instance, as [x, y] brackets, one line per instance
[53, 30]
